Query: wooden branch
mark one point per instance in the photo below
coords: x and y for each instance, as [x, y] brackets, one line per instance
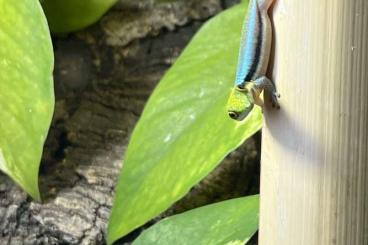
[314, 170]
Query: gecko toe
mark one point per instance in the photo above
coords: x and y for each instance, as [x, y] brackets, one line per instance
[276, 95]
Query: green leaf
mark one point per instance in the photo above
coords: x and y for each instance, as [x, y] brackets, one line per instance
[71, 15]
[229, 222]
[184, 131]
[26, 90]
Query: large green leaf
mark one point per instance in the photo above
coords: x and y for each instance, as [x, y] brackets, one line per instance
[26, 90]
[184, 131]
[71, 15]
[229, 222]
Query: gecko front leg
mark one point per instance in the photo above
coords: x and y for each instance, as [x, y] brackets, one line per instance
[265, 84]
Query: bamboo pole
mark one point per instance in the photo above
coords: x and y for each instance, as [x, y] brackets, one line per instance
[314, 169]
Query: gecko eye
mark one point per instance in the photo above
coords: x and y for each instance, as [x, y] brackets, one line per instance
[233, 114]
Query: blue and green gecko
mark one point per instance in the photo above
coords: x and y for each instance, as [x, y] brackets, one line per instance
[253, 59]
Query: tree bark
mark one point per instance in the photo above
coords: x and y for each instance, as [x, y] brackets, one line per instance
[314, 172]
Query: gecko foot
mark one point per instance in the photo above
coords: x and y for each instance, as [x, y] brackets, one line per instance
[274, 100]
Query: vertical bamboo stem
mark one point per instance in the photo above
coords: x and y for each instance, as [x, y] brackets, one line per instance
[314, 170]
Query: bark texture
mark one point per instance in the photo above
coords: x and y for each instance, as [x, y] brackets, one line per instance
[103, 77]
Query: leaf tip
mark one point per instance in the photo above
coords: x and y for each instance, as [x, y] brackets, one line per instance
[112, 235]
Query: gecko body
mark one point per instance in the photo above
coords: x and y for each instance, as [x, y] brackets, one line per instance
[253, 59]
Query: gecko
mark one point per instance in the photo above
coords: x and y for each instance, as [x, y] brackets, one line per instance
[254, 53]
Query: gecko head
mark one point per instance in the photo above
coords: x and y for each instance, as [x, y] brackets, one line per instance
[240, 103]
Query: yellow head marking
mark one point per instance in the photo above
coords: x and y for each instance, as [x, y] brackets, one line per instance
[240, 103]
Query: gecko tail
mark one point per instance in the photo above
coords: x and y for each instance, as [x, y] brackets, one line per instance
[265, 4]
